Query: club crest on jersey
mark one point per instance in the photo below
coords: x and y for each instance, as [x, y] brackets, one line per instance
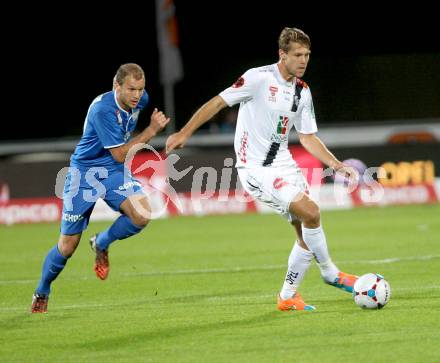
[273, 92]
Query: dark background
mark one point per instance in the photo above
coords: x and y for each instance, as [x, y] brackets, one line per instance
[368, 63]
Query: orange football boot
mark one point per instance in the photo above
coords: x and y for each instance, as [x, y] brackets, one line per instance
[344, 281]
[296, 302]
[102, 265]
[39, 303]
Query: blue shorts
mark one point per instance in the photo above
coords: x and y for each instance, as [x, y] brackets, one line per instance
[83, 187]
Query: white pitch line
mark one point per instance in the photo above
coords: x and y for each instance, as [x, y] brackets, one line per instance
[395, 259]
[235, 269]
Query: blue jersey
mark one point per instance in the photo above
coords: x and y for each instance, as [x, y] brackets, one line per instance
[107, 125]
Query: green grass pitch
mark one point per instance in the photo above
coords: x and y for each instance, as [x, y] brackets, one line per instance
[192, 289]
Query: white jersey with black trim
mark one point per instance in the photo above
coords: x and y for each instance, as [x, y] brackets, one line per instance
[269, 108]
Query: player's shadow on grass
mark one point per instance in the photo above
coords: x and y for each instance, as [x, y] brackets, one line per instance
[143, 338]
[20, 318]
[217, 297]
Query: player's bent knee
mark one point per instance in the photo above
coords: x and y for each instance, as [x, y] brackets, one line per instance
[140, 219]
[137, 209]
[312, 217]
[68, 244]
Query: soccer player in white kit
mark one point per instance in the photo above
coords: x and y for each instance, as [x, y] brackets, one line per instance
[273, 99]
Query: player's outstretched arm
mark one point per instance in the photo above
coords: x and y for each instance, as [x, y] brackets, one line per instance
[316, 147]
[202, 115]
[158, 121]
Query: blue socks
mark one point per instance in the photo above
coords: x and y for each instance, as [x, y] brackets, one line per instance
[55, 261]
[122, 228]
[52, 266]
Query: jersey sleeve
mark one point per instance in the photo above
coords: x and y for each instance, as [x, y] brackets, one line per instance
[243, 89]
[306, 122]
[109, 131]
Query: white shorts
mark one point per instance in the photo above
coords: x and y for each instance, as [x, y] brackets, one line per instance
[275, 187]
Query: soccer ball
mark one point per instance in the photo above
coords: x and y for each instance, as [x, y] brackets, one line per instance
[371, 291]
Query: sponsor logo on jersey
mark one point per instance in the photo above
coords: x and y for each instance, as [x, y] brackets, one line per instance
[238, 83]
[243, 147]
[130, 185]
[71, 217]
[282, 125]
[273, 90]
[273, 93]
[287, 95]
[278, 138]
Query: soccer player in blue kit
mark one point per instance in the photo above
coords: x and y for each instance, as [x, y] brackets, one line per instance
[97, 171]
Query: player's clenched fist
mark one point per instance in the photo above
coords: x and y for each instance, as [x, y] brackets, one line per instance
[158, 120]
[176, 141]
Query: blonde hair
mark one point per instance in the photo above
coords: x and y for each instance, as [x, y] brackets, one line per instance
[296, 35]
[128, 69]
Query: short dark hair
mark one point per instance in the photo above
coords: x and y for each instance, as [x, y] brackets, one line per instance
[296, 35]
[127, 69]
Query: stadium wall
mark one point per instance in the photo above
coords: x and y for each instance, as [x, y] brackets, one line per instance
[27, 188]
[36, 210]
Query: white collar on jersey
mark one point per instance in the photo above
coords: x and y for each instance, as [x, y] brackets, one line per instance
[280, 78]
[117, 104]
